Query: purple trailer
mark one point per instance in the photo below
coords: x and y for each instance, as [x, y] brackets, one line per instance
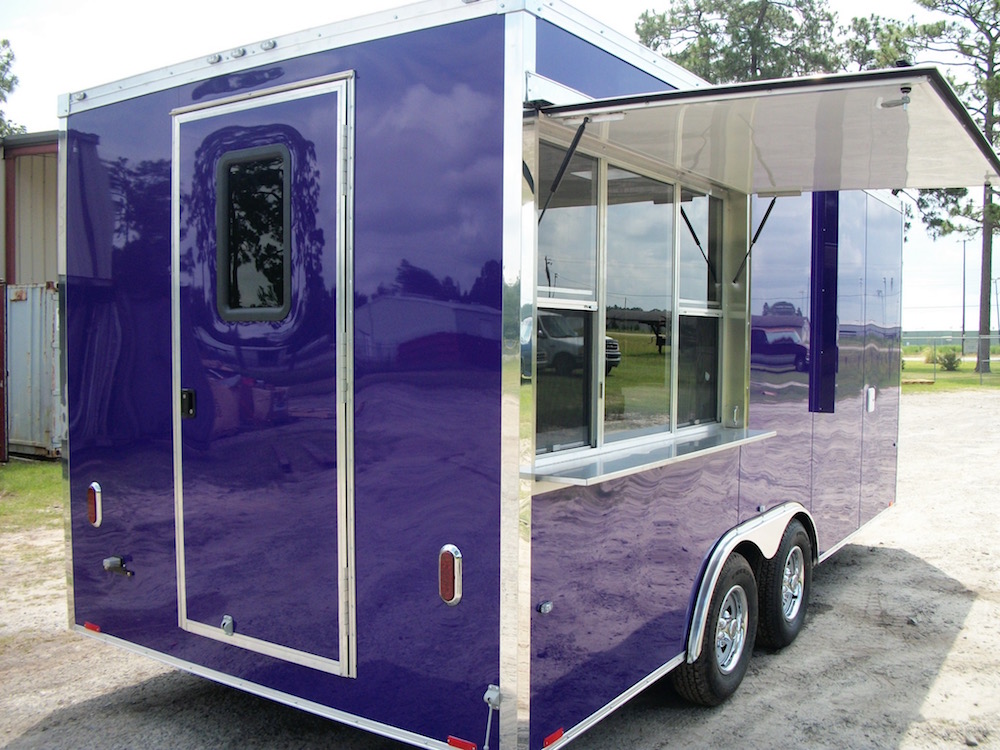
[457, 372]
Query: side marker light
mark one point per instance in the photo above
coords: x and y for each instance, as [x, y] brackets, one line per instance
[95, 505]
[450, 574]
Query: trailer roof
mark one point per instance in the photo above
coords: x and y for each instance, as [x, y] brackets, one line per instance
[898, 128]
[377, 25]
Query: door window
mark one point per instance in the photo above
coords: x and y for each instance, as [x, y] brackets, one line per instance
[252, 222]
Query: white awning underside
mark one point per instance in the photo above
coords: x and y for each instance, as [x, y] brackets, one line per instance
[842, 132]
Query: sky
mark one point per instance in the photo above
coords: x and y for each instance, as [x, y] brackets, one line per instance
[68, 45]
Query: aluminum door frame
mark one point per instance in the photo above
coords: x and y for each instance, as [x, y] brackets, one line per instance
[343, 85]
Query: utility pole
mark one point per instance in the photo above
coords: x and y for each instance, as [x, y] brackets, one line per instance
[963, 296]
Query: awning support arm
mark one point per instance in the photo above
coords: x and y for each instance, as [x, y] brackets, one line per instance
[754, 240]
[562, 167]
[694, 236]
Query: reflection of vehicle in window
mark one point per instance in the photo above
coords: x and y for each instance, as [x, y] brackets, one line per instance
[561, 344]
[778, 349]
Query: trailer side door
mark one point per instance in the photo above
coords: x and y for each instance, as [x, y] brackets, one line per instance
[263, 474]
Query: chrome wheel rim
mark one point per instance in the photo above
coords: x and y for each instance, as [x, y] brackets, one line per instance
[731, 629]
[791, 584]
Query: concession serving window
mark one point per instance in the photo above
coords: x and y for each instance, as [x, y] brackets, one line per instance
[643, 245]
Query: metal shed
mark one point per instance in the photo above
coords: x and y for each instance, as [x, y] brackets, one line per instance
[33, 421]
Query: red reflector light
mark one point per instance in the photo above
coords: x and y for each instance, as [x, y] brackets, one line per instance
[461, 744]
[447, 576]
[555, 736]
[92, 626]
[95, 504]
[450, 574]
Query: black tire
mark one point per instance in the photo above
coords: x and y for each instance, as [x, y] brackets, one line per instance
[730, 632]
[785, 582]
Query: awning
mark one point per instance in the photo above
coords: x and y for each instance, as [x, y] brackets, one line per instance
[898, 128]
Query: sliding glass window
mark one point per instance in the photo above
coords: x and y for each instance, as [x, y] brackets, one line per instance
[638, 307]
[618, 353]
[567, 300]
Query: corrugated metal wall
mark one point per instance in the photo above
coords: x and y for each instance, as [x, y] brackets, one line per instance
[33, 414]
[35, 220]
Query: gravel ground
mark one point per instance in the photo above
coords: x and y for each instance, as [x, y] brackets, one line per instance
[899, 650]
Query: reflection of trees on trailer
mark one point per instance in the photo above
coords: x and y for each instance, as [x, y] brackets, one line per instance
[319, 302]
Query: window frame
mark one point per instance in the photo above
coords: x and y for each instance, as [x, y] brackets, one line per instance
[222, 233]
[610, 157]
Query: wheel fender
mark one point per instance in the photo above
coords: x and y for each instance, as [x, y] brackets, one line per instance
[764, 532]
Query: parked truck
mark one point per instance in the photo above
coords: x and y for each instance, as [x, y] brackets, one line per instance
[315, 451]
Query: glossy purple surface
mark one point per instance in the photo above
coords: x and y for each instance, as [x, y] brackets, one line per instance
[571, 61]
[882, 356]
[427, 239]
[779, 470]
[618, 561]
[841, 465]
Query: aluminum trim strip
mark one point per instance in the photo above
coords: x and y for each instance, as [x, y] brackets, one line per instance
[267, 648]
[616, 703]
[287, 699]
[345, 384]
[175, 366]
[62, 162]
[515, 494]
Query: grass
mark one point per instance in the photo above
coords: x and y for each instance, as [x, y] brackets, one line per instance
[31, 495]
[964, 377]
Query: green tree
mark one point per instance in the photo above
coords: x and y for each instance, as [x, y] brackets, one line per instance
[725, 41]
[970, 41]
[874, 42]
[8, 81]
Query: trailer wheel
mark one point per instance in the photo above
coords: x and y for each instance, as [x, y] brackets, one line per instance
[728, 641]
[785, 581]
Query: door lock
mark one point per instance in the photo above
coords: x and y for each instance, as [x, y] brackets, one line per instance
[189, 403]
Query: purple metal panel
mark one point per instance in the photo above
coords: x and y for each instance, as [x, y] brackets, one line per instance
[619, 561]
[117, 298]
[837, 436]
[779, 470]
[571, 61]
[884, 244]
[427, 236]
[816, 459]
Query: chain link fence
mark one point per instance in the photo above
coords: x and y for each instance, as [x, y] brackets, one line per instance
[968, 360]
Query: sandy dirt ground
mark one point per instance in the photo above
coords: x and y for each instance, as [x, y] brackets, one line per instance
[901, 647]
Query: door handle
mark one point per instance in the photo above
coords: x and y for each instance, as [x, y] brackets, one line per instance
[189, 403]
